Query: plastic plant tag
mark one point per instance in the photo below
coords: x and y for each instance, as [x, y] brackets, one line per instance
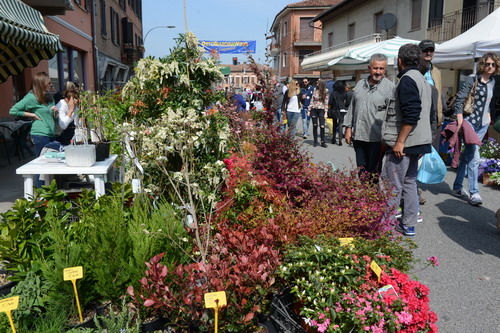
[136, 185]
[72, 274]
[318, 248]
[215, 300]
[388, 292]
[7, 305]
[346, 241]
[376, 269]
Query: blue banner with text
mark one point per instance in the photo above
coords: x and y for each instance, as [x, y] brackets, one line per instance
[228, 47]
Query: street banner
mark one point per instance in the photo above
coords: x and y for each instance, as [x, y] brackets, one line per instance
[229, 47]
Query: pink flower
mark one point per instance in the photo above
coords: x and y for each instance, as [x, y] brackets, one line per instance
[404, 317]
[434, 261]
[376, 329]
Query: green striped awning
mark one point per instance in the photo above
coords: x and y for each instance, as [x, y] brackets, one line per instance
[24, 39]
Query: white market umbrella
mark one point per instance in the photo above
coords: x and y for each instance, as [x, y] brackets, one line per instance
[358, 58]
[459, 52]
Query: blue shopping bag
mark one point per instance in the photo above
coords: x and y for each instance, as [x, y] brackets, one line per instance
[432, 169]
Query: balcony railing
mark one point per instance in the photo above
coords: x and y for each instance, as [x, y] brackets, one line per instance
[275, 47]
[453, 24]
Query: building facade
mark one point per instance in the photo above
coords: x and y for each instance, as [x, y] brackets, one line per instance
[101, 40]
[118, 40]
[240, 77]
[294, 36]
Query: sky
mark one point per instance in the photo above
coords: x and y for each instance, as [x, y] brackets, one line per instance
[209, 20]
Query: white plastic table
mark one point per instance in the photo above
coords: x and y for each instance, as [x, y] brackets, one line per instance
[48, 167]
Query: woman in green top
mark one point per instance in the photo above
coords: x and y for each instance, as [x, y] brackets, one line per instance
[38, 105]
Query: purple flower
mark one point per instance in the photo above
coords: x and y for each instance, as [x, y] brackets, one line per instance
[491, 165]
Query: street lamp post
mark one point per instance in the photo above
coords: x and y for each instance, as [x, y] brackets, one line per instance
[153, 28]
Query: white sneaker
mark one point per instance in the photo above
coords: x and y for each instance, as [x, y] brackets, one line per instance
[420, 219]
[461, 193]
[399, 213]
[475, 199]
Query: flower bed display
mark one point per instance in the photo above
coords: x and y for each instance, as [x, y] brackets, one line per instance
[230, 203]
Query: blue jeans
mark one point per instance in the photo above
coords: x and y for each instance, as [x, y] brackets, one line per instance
[278, 120]
[305, 121]
[40, 141]
[469, 162]
[293, 118]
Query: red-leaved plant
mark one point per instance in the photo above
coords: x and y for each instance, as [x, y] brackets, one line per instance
[242, 263]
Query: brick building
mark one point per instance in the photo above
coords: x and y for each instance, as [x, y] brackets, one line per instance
[294, 36]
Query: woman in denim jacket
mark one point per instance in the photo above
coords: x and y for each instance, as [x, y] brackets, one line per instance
[479, 119]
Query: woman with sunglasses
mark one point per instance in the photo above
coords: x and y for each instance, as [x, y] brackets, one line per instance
[479, 120]
[38, 105]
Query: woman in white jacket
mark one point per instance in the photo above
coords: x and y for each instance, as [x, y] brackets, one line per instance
[67, 117]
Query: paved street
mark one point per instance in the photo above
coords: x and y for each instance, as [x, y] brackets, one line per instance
[465, 287]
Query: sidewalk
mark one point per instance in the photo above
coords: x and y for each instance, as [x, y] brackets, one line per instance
[11, 185]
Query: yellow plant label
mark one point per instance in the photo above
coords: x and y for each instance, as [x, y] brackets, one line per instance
[215, 300]
[9, 304]
[376, 269]
[346, 241]
[73, 273]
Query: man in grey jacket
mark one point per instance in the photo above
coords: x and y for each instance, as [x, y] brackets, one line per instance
[363, 121]
[406, 132]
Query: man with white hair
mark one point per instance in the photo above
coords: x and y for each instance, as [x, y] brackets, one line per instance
[363, 121]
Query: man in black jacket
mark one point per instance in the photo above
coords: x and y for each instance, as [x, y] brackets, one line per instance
[406, 132]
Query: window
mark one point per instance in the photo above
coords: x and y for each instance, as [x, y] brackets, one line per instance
[78, 2]
[68, 66]
[115, 26]
[88, 5]
[245, 79]
[330, 39]
[376, 25]
[284, 60]
[350, 31]
[122, 4]
[285, 28]
[237, 81]
[435, 13]
[136, 7]
[77, 61]
[416, 14]
[103, 18]
[302, 54]
[112, 24]
[306, 32]
[54, 78]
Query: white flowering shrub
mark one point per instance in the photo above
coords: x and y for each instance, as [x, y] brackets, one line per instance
[184, 79]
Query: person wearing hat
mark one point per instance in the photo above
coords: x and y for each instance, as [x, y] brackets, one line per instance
[433, 76]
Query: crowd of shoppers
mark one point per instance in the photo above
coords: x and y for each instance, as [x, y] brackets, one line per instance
[391, 126]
